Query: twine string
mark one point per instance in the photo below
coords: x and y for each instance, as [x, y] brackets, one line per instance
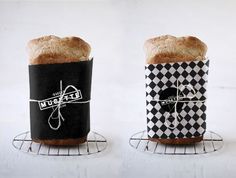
[181, 97]
[57, 108]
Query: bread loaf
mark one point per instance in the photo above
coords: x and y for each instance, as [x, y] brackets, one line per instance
[170, 49]
[167, 48]
[52, 49]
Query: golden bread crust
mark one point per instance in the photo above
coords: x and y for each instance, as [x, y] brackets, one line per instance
[52, 49]
[167, 48]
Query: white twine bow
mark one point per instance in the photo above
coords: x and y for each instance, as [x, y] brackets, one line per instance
[57, 108]
[180, 98]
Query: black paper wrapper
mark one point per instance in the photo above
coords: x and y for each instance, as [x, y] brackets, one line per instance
[48, 83]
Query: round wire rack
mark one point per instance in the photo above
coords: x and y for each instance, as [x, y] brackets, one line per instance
[95, 143]
[211, 142]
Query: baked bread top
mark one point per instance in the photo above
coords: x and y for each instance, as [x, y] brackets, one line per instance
[167, 48]
[52, 49]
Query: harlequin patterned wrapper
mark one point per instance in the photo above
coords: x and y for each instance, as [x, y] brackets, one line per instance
[176, 99]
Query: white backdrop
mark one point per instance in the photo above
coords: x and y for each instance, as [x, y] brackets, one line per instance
[116, 31]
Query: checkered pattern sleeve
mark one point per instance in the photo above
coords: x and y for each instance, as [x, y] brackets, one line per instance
[167, 82]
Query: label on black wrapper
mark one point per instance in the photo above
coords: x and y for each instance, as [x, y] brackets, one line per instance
[53, 101]
[59, 100]
[168, 99]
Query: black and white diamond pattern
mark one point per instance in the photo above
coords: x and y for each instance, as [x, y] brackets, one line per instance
[192, 115]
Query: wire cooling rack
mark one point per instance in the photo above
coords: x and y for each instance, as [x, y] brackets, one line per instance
[211, 142]
[96, 143]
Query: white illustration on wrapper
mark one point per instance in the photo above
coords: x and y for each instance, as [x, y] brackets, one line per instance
[59, 101]
[179, 98]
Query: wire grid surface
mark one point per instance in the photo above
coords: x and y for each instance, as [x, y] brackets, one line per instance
[96, 143]
[211, 142]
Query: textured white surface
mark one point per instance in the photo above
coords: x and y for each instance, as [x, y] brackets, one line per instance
[116, 31]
